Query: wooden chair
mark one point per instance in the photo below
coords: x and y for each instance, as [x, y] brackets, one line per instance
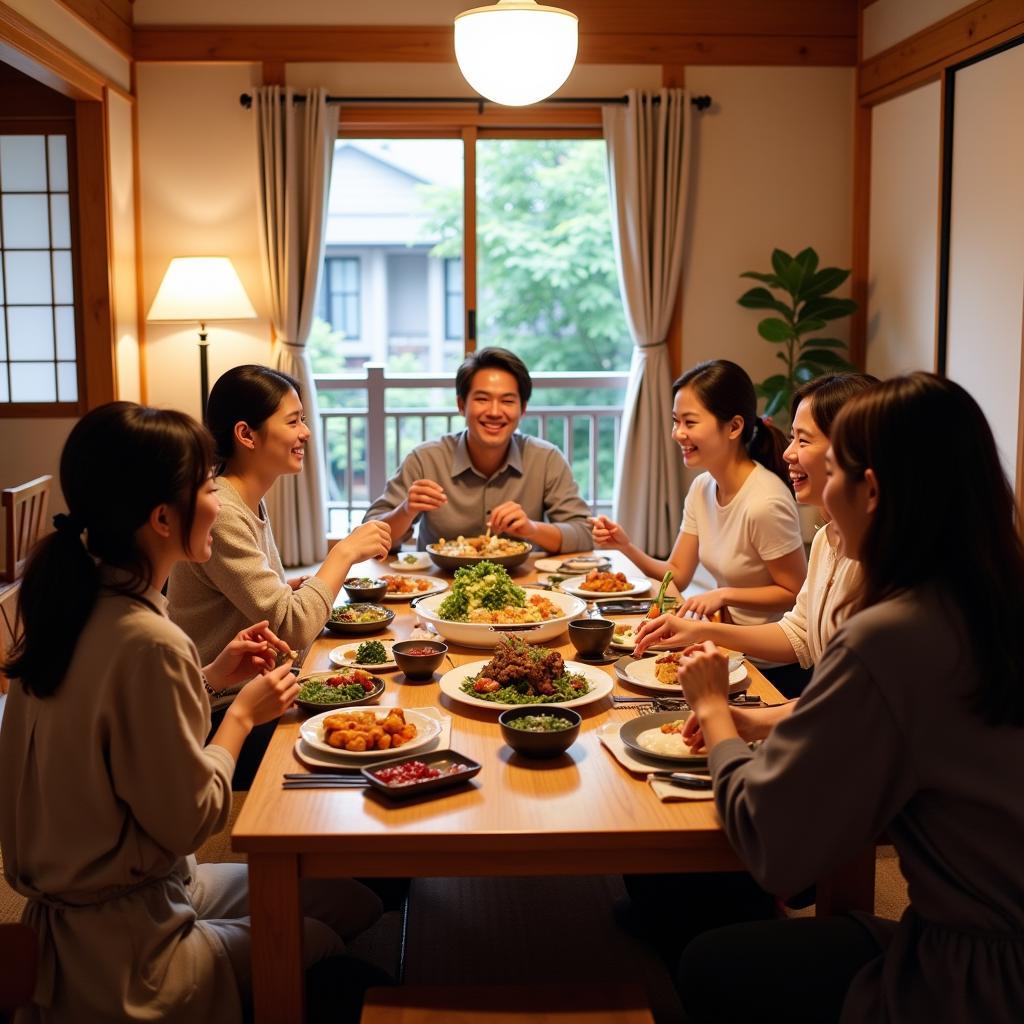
[24, 514]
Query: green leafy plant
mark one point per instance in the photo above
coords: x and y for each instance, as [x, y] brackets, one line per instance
[807, 307]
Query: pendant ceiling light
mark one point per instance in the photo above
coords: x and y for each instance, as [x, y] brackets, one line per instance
[516, 52]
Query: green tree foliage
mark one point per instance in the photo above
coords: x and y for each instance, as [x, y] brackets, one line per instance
[547, 282]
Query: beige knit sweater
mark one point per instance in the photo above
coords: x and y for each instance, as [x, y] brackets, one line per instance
[242, 583]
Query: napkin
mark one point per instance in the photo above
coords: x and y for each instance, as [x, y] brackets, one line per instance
[608, 734]
[313, 758]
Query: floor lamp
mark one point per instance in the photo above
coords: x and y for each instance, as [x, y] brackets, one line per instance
[200, 289]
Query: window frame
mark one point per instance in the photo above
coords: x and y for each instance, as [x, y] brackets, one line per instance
[43, 126]
[328, 294]
[470, 123]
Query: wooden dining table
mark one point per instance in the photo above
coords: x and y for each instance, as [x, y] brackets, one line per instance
[579, 814]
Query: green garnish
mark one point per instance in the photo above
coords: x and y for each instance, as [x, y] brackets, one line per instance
[539, 723]
[484, 585]
[371, 652]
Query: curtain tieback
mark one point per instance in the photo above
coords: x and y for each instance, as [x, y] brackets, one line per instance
[300, 345]
[655, 344]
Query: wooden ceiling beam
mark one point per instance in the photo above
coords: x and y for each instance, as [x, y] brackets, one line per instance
[434, 44]
[110, 18]
[923, 56]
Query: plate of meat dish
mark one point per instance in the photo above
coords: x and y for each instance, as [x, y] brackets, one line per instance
[659, 674]
[406, 587]
[364, 734]
[603, 584]
[519, 674]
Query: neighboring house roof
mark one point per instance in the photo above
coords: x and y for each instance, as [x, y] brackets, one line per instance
[374, 202]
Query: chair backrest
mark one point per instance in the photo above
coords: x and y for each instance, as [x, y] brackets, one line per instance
[24, 513]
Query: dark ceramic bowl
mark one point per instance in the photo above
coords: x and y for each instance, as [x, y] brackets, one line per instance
[419, 666]
[340, 628]
[365, 595]
[453, 562]
[540, 744]
[591, 637]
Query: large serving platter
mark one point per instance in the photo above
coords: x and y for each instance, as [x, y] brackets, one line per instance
[600, 686]
[484, 635]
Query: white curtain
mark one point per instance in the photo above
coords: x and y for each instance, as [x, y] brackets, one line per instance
[648, 142]
[296, 146]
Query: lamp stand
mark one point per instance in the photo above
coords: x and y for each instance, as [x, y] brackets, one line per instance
[204, 372]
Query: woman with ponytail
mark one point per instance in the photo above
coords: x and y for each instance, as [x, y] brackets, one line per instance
[110, 783]
[739, 518]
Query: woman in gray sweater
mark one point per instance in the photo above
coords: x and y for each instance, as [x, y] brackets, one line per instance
[913, 725]
[256, 418]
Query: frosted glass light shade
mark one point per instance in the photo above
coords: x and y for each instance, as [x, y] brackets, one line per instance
[516, 52]
[201, 288]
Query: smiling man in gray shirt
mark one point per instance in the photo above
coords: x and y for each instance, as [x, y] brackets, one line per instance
[487, 475]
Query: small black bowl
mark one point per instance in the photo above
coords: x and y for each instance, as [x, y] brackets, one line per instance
[440, 759]
[419, 666]
[360, 628]
[591, 637]
[365, 595]
[540, 744]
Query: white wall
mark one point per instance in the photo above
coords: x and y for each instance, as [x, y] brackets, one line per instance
[772, 170]
[888, 22]
[903, 260]
[986, 284]
[198, 181]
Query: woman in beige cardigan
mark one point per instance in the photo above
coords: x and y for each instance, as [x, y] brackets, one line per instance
[109, 785]
[259, 428]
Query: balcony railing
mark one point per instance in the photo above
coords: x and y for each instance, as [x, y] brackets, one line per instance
[367, 434]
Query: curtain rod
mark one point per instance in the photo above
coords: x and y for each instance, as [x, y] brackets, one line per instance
[700, 102]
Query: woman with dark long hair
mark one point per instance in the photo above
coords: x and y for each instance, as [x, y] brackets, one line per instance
[913, 725]
[739, 519]
[110, 784]
[259, 429]
[802, 634]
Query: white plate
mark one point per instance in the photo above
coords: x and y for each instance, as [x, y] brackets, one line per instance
[422, 562]
[345, 655]
[311, 731]
[600, 686]
[482, 634]
[628, 647]
[436, 587]
[548, 564]
[642, 673]
[638, 585]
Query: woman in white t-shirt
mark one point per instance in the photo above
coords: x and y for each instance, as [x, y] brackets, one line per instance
[739, 518]
[802, 634]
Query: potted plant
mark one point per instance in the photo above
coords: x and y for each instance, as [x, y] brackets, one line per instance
[805, 307]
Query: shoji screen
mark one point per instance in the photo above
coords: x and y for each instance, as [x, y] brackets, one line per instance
[986, 264]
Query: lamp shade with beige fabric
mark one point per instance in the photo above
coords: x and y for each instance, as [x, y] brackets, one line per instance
[200, 289]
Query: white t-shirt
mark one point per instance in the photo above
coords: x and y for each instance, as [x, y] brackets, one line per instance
[735, 540]
[831, 579]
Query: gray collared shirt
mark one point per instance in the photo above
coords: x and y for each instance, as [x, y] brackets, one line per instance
[534, 473]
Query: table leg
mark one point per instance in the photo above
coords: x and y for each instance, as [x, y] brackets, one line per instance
[276, 914]
[850, 887]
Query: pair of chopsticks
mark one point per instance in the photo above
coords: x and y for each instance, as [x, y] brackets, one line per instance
[322, 780]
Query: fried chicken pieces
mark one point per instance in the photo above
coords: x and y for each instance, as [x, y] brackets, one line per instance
[357, 731]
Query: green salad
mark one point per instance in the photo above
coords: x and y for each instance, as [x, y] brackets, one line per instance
[371, 652]
[484, 585]
[333, 689]
[539, 723]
